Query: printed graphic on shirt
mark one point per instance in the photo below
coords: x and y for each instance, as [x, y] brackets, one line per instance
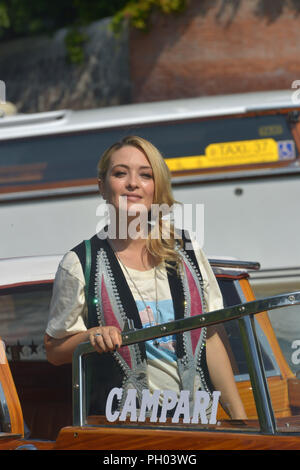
[160, 348]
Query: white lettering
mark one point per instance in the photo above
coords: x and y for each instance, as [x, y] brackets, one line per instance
[114, 460]
[184, 216]
[165, 211]
[190, 218]
[171, 459]
[149, 401]
[213, 416]
[182, 407]
[200, 406]
[129, 406]
[170, 401]
[296, 94]
[102, 212]
[296, 354]
[108, 408]
[140, 222]
[2, 92]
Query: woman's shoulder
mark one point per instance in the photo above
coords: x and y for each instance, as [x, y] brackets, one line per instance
[70, 266]
[74, 260]
[69, 260]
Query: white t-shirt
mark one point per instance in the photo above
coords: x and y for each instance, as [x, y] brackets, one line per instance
[68, 310]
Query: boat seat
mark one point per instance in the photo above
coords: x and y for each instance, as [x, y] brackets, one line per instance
[45, 393]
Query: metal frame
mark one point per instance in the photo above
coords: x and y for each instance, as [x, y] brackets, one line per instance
[243, 312]
[256, 369]
[234, 264]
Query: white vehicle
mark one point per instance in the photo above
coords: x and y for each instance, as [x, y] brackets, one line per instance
[236, 156]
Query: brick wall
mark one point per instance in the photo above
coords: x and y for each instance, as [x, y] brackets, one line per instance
[215, 47]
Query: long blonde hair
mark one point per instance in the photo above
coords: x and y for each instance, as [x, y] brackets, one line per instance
[160, 247]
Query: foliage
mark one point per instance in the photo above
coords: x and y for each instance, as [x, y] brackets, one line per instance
[74, 41]
[138, 12]
[19, 18]
[4, 19]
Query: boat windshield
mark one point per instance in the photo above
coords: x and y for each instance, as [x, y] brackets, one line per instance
[267, 377]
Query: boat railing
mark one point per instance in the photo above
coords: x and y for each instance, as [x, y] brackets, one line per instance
[235, 264]
[244, 313]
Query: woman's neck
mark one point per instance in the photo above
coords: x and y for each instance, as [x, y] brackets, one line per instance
[132, 253]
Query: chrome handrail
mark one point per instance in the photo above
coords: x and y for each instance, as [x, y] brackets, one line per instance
[257, 375]
[236, 264]
[179, 326]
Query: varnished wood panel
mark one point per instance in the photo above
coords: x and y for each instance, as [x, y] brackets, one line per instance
[294, 392]
[11, 443]
[279, 398]
[10, 392]
[264, 321]
[75, 438]
[45, 393]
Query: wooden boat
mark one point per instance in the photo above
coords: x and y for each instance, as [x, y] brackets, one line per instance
[52, 400]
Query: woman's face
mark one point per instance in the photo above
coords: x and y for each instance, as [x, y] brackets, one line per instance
[129, 180]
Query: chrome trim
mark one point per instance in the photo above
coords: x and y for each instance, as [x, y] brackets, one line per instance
[236, 264]
[247, 174]
[276, 273]
[26, 447]
[260, 388]
[68, 191]
[78, 382]
[178, 326]
[243, 377]
[147, 113]
[46, 118]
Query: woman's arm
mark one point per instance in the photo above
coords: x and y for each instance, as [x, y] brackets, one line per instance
[221, 375]
[60, 350]
[66, 327]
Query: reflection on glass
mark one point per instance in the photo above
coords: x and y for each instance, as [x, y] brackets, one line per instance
[103, 394]
[286, 326]
[23, 317]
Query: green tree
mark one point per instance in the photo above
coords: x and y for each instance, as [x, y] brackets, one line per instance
[138, 12]
[19, 18]
[28, 17]
[4, 19]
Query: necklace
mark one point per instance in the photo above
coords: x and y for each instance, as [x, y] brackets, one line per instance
[147, 307]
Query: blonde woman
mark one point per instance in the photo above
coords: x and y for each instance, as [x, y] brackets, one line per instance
[142, 277]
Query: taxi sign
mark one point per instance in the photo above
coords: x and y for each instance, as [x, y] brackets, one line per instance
[229, 154]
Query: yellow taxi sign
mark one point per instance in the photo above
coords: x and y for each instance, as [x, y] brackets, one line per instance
[229, 154]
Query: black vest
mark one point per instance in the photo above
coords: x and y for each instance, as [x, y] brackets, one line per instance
[106, 369]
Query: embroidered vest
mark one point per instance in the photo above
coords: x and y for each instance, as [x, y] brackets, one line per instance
[110, 302]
